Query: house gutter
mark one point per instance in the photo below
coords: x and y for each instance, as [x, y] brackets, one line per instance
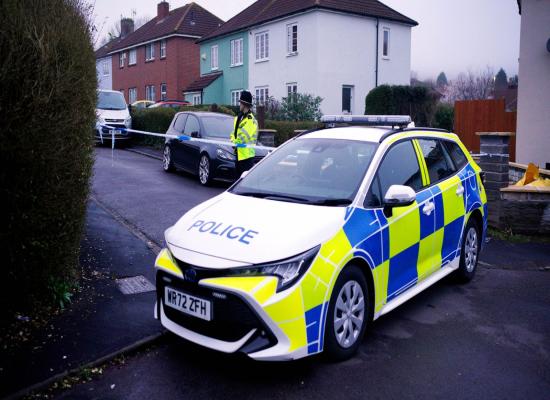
[377, 41]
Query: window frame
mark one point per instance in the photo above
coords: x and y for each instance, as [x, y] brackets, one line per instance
[134, 58]
[258, 90]
[163, 92]
[236, 95]
[132, 94]
[446, 143]
[150, 93]
[445, 152]
[150, 48]
[291, 40]
[121, 58]
[214, 50]
[237, 57]
[374, 175]
[291, 89]
[386, 53]
[261, 56]
[162, 52]
[105, 67]
[194, 99]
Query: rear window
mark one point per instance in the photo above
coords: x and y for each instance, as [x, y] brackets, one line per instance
[456, 153]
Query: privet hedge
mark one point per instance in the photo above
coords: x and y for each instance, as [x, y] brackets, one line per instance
[47, 110]
[417, 101]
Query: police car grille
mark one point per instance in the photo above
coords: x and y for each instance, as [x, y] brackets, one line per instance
[232, 318]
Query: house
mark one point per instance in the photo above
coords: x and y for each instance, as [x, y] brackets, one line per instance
[338, 50]
[104, 63]
[533, 119]
[158, 60]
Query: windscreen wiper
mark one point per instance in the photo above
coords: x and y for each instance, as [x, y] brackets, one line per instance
[274, 196]
[332, 202]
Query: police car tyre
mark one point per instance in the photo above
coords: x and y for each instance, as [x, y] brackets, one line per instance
[348, 314]
[167, 163]
[205, 175]
[469, 254]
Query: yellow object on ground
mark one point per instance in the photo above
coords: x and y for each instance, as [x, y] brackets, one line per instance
[533, 178]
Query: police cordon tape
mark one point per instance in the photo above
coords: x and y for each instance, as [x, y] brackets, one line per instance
[113, 130]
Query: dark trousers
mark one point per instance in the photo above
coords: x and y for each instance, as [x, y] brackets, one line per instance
[244, 165]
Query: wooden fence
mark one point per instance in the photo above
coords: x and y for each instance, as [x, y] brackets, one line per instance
[473, 116]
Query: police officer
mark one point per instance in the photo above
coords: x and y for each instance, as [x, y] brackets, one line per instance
[245, 132]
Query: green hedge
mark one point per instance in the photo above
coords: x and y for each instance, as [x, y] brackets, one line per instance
[444, 116]
[47, 108]
[285, 129]
[417, 101]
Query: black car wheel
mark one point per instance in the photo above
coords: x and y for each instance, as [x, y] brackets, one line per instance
[205, 175]
[469, 254]
[167, 163]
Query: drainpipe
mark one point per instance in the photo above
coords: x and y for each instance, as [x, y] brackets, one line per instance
[377, 41]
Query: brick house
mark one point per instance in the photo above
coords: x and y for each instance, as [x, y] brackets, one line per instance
[161, 58]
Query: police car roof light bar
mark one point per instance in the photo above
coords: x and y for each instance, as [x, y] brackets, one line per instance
[400, 121]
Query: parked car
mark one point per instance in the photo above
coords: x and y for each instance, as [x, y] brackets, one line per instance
[140, 104]
[208, 161]
[171, 104]
[111, 110]
[331, 231]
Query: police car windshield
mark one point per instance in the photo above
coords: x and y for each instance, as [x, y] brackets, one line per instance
[218, 126]
[313, 171]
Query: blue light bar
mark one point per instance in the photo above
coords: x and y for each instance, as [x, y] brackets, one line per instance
[368, 120]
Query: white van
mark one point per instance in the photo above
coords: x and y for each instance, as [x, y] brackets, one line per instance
[111, 110]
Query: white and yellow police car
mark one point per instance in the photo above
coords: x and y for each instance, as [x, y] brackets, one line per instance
[332, 230]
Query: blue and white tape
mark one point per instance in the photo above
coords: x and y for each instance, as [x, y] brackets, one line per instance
[113, 130]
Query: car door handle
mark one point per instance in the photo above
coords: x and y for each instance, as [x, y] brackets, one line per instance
[460, 190]
[428, 208]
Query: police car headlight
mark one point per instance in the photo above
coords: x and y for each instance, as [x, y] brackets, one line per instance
[225, 155]
[288, 271]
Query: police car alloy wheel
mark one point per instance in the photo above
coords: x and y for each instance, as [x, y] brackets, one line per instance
[204, 170]
[167, 163]
[471, 242]
[348, 314]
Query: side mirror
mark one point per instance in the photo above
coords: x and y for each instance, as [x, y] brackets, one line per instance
[398, 196]
[195, 135]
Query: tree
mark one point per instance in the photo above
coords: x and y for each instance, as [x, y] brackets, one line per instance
[441, 81]
[471, 86]
[301, 107]
[501, 79]
[115, 30]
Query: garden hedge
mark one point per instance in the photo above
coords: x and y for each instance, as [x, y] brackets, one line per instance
[47, 108]
[285, 129]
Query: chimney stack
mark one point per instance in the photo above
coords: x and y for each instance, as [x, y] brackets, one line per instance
[163, 9]
[126, 27]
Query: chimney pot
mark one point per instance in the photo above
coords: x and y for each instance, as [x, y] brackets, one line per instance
[163, 9]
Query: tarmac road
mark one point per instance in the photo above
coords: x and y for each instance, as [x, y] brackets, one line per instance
[489, 339]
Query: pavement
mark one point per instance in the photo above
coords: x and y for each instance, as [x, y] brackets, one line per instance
[488, 339]
[102, 322]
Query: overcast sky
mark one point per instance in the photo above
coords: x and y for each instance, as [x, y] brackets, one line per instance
[452, 36]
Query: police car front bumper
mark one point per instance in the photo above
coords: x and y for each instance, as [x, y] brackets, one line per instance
[242, 317]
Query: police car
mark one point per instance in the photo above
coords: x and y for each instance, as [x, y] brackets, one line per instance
[332, 230]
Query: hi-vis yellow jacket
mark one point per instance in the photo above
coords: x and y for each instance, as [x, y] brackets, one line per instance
[247, 133]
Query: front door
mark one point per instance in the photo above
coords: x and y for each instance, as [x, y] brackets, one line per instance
[400, 166]
[347, 99]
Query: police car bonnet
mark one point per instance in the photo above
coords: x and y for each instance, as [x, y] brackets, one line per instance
[246, 230]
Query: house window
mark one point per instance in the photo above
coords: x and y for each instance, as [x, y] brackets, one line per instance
[236, 52]
[132, 58]
[235, 97]
[292, 39]
[197, 99]
[121, 57]
[291, 90]
[163, 48]
[262, 95]
[150, 92]
[106, 67]
[163, 91]
[262, 46]
[132, 95]
[386, 43]
[149, 52]
[214, 57]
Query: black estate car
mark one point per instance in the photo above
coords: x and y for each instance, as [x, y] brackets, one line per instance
[206, 160]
